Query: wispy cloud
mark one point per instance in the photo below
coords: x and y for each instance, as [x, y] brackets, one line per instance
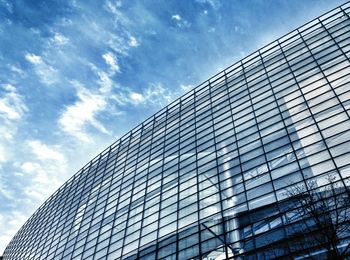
[111, 60]
[44, 152]
[9, 223]
[159, 95]
[3, 155]
[43, 169]
[215, 4]
[12, 106]
[155, 95]
[186, 88]
[8, 5]
[133, 42]
[176, 17]
[17, 70]
[180, 22]
[136, 98]
[77, 117]
[46, 73]
[59, 39]
[12, 111]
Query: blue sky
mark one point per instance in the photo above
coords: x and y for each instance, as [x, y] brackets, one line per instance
[77, 75]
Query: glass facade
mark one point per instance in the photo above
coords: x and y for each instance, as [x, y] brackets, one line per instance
[205, 177]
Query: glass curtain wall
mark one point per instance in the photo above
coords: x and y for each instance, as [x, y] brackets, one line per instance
[205, 177]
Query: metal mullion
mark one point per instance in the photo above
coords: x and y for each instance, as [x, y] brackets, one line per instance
[161, 189]
[66, 196]
[332, 38]
[235, 106]
[197, 178]
[78, 230]
[217, 168]
[314, 133]
[345, 13]
[306, 109]
[45, 233]
[109, 188]
[275, 55]
[322, 23]
[335, 31]
[316, 38]
[94, 210]
[121, 182]
[145, 196]
[282, 82]
[335, 94]
[256, 123]
[293, 60]
[38, 235]
[234, 81]
[341, 33]
[178, 190]
[77, 207]
[333, 19]
[285, 126]
[312, 116]
[260, 137]
[133, 183]
[81, 177]
[239, 159]
[178, 185]
[178, 194]
[335, 58]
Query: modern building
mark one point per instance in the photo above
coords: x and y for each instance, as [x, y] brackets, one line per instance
[206, 177]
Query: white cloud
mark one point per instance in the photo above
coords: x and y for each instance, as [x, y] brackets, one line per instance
[180, 22]
[9, 6]
[41, 179]
[113, 7]
[34, 59]
[105, 82]
[39, 176]
[8, 131]
[158, 95]
[45, 152]
[43, 172]
[111, 60]
[186, 88]
[133, 41]
[78, 116]
[76, 119]
[12, 111]
[215, 4]
[136, 97]
[211, 29]
[28, 167]
[12, 106]
[10, 223]
[153, 95]
[3, 156]
[46, 73]
[176, 17]
[59, 39]
[17, 70]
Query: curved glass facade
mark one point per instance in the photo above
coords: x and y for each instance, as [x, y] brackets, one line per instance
[205, 177]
